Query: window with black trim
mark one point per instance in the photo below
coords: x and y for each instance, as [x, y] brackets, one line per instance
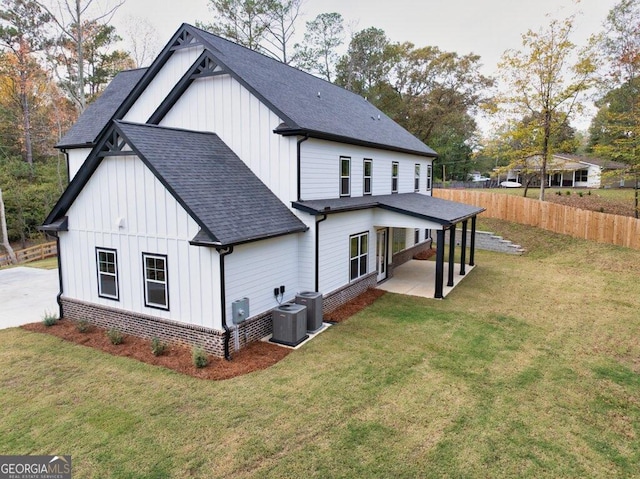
[345, 176]
[367, 169]
[394, 177]
[416, 236]
[107, 263]
[416, 178]
[358, 255]
[429, 176]
[427, 234]
[156, 285]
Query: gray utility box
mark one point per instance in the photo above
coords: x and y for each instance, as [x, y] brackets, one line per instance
[289, 324]
[313, 301]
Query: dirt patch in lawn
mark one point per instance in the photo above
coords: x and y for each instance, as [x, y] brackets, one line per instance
[256, 356]
[588, 200]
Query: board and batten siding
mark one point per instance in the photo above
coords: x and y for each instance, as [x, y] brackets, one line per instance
[75, 159]
[168, 76]
[334, 247]
[320, 169]
[125, 207]
[222, 105]
[253, 270]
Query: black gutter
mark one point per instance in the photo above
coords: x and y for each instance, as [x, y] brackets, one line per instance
[351, 141]
[222, 252]
[59, 296]
[304, 138]
[324, 217]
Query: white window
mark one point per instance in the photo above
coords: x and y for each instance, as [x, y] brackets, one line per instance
[394, 177]
[429, 176]
[358, 255]
[368, 176]
[156, 286]
[345, 176]
[416, 178]
[107, 261]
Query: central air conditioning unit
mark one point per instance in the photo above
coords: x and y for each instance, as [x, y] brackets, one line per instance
[289, 324]
[313, 301]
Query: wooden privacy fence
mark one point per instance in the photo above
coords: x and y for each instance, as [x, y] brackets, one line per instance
[34, 253]
[585, 224]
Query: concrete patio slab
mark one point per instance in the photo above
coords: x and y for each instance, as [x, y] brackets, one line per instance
[26, 294]
[418, 278]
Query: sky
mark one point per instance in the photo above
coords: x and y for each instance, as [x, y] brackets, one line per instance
[484, 27]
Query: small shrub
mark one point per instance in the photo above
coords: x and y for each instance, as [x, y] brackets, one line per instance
[82, 325]
[601, 209]
[200, 359]
[580, 194]
[589, 193]
[115, 336]
[158, 347]
[49, 319]
[559, 193]
[568, 193]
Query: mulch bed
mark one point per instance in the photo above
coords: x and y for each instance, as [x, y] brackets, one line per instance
[426, 254]
[256, 356]
[352, 307]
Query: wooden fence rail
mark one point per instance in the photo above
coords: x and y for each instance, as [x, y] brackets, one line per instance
[585, 224]
[34, 253]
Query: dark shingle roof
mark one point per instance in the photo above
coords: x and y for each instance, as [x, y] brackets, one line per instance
[309, 103]
[440, 211]
[98, 114]
[221, 193]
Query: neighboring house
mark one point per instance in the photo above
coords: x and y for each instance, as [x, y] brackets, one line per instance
[219, 174]
[566, 170]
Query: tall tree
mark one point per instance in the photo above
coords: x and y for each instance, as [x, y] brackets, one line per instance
[368, 62]
[70, 17]
[317, 53]
[143, 41]
[620, 110]
[5, 234]
[544, 83]
[241, 21]
[22, 34]
[281, 16]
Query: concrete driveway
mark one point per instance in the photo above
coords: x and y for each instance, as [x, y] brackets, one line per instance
[25, 295]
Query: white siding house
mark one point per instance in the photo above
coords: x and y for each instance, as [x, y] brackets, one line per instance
[202, 181]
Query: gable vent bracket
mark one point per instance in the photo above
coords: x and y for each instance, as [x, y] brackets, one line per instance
[185, 40]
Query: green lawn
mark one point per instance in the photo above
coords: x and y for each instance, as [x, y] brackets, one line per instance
[530, 368]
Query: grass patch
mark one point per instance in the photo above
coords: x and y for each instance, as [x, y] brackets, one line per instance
[528, 369]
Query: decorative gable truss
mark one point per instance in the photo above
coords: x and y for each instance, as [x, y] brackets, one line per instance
[205, 66]
[114, 145]
[185, 39]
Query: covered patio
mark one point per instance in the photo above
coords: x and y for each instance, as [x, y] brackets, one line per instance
[418, 278]
[419, 212]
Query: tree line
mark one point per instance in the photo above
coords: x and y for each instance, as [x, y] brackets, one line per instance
[57, 56]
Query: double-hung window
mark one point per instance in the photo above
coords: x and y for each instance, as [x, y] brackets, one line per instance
[358, 255]
[156, 285]
[582, 175]
[429, 176]
[345, 176]
[394, 177]
[367, 176]
[416, 178]
[107, 262]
